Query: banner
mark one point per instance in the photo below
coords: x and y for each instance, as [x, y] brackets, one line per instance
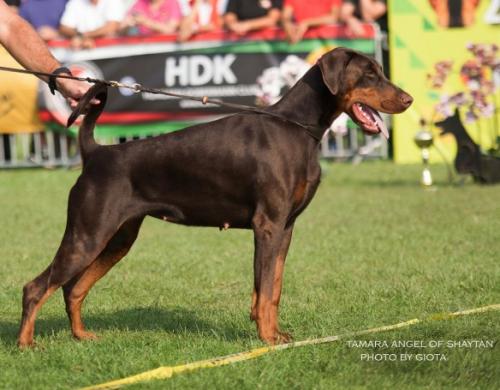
[18, 108]
[445, 54]
[256, 70]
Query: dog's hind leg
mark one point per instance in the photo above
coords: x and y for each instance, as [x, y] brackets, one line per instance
[87, 233]
[271, 245]
[77, 288]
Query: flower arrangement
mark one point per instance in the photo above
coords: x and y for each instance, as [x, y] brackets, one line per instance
[480, 76]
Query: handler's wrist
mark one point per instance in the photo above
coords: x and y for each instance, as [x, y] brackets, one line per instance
[52, 78]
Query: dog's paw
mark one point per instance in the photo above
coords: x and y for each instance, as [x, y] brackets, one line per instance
[26, 344]
[276, 338]
[84, 335]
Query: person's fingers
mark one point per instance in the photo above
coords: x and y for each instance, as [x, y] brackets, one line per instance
[72, 103]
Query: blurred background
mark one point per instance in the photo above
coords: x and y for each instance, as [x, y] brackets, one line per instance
[443, 52]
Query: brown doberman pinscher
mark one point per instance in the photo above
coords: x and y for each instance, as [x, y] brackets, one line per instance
[248, 170]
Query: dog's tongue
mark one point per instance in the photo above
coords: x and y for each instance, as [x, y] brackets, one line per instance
[381, 125]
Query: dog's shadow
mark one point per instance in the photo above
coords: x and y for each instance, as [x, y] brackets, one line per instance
[172, 320]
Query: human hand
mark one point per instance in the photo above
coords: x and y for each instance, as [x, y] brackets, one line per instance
[299, 32]
[73, 90]
[355, 27]
[76, 42]
[240, 28]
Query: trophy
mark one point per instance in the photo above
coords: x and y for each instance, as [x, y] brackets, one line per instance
[424, 139]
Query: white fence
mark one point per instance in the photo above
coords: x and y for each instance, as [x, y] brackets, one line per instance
[49, 149]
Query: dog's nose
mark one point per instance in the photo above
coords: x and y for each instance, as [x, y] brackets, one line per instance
[406, 99]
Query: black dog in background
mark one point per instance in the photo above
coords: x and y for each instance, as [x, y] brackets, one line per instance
[469, 160]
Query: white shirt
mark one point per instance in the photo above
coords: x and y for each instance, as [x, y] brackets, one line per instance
[186, 8]
[84, 16]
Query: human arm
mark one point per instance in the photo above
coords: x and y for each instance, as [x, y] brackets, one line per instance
[347, 15]
[321, 20]
[244, 26]
[24, 44]
[110, 28]
[371, 10]
[287, 22]
[168, 27]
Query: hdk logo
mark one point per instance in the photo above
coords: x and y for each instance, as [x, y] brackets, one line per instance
[197, 70]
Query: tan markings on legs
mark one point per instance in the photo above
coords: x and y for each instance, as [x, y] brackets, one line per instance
[27, 330]
[299, 193]
[78, 288]
[266, 329]
[282, 337]
[278, 281]
[253, 310]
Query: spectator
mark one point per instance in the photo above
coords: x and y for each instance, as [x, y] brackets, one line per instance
[148, 17]
[13, 4]
[200, 16]
[243, 16]
[299, 15]
[26, 46]
[85, 20]
[44, 16]
[355, 12]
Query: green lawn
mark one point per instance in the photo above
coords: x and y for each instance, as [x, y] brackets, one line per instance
[372, 249]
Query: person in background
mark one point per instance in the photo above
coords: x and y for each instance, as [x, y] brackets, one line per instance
[243, 16]
[85, 20]
[44, 16]
[13, 4]
[298, 16]
[356, 12]
[200, 16]
[148, 17]
[25, 45]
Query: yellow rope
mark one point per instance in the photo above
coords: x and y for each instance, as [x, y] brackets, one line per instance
[168, 372]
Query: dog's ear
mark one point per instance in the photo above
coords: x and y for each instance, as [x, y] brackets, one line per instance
[333, 66]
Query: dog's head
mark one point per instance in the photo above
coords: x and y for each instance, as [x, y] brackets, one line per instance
[361, 88]
[450, 125]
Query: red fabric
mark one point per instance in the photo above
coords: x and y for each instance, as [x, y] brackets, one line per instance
[304, 9]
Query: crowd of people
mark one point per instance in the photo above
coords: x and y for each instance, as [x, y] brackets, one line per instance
[83, 21]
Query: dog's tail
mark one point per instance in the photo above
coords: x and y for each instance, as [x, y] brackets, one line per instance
[92, 111]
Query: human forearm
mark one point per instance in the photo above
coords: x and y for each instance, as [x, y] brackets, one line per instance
[110, 28]
[161, 27]
[322, 20]
[68, 32]
[31, 52]
[270, 20]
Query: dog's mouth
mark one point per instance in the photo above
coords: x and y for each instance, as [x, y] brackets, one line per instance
[369, 119]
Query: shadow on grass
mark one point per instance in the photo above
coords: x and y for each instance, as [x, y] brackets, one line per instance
[176, 320]
[395, 183]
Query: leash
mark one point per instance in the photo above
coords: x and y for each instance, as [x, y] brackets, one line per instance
[167, 372]
[138, 88]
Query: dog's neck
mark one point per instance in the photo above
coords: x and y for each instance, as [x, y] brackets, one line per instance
[310, 92]
[454, 126]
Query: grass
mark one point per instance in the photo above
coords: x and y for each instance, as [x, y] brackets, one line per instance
[372, 249]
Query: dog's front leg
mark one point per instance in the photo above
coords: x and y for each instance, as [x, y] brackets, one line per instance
[272, 241]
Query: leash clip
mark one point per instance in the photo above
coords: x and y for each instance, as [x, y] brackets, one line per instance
[136, 88]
